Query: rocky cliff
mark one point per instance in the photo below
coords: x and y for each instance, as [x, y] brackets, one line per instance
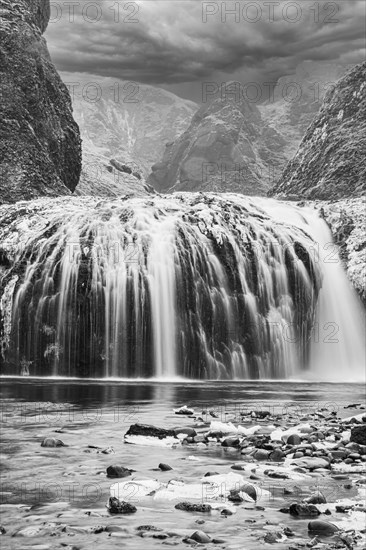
[40, 146]
[330, 161]
[227, 147]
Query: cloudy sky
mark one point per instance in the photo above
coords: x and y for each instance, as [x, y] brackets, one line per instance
[178, 44]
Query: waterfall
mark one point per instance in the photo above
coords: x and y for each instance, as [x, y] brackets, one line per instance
[191, 285]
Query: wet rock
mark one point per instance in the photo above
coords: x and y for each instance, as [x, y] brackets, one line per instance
[118, 471]
[164, 467]
[323, 528]
[2, 530]
[200, 536]
[238, 466]
[116, 506]
[226, 512]
[288, 532]
[151, 431]
[190, 507]
[293, 439]
[316, 498]
[52, 442]
[303, 510]
[208, 474]
[358, 435]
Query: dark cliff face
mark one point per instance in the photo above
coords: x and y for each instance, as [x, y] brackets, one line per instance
[227, 147]
[330, 161]
[40, 146]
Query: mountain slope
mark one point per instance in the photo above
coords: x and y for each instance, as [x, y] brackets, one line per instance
[119, 118]
[40, 148]
[330, 161]
[227, 147]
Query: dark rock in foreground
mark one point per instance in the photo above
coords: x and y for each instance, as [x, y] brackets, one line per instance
[116, 506]
[149, 431]
[358, 435]
[304, 510]
[118, 471]
[40, 146]
[318, 527]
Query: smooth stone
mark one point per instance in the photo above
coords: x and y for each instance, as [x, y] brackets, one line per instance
[118, 471]
[116, 529]
[165, 467]
[320, 527]
[276, 455]
[52, 442]
[312, 463]
[200, 536]
[272, 538]
[304, 510]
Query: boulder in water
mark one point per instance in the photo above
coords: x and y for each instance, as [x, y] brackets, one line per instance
[201, 537]
[190, 507]
[116, 506]
[358, 435]
[149, 431]
[304, 510]
[318, 527]
[118, 471]
[164, 467]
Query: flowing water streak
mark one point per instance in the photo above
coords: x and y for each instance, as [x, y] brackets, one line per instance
[202, 286]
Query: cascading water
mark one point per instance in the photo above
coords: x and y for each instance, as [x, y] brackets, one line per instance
[201, 286]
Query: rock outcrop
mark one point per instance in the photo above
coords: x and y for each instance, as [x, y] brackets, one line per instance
[40, 146]
[103, 177]
[346, 219]
[227, 147]
[330, 161]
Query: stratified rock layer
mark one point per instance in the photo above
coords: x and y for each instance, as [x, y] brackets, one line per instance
[40, 146]
[330, 161]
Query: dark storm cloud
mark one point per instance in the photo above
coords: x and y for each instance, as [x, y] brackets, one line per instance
[167, 42]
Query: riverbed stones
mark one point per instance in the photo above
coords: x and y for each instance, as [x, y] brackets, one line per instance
[358, 435]
[150, 431]
[324, 528]
[311, 463]
[118, 471]
[116, 506]
[316, 498]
